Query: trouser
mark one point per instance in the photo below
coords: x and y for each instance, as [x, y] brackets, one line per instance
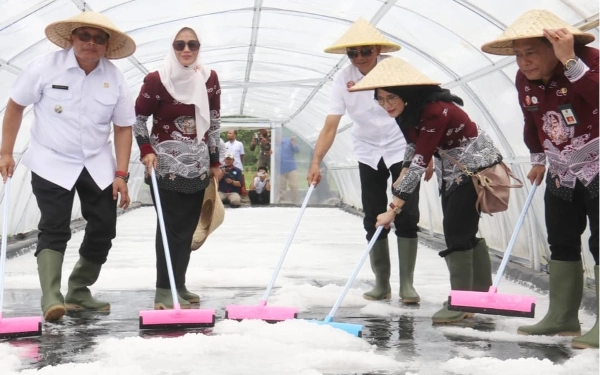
[234, 199]
[264, 197]
[374, 196]
[181, 213]
[290, 178]
[566, 221]
[98, 208]
[461, 219]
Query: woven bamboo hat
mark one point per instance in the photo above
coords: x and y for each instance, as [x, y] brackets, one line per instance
[393, 71]
[362, 33]
[531, 24]
[119, 44]
[211, 216]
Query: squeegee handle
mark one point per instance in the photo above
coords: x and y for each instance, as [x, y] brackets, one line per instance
[354, 274]
[4, 242]
[514, 236]
[163, 232]
[287, 244]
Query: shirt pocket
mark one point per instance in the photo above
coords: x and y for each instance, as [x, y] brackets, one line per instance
[56, 101]
[103, 107]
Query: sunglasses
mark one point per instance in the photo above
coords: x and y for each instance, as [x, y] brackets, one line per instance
[179, 45]
[99, 39]
[363, 51]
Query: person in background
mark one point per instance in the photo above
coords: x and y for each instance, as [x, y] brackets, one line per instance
[76, 94]
[235, 147]
[557, 85]
[433, 123]
[263, 139]
[260, 187]
[230, 184]
[379, 147]
[184, 98]
[288, 174]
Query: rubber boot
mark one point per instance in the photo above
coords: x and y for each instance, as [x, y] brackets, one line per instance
[187, 295]
[50, 272]
[407, 257]
[79, 297]
[163, 300]
[566, 291]
[460, 266]
[590, 339]
[380, 264]
[482, 267]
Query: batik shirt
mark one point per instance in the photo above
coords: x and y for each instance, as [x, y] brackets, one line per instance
[444, 126]
[561, 124]
[183, 161]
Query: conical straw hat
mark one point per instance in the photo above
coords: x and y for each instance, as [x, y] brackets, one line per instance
[211, 216]
[362, 33]
[392, 71]
[119, 44]
[531, 24]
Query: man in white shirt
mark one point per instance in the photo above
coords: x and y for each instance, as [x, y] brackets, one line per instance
[76, 94]
[236, 148]
[379, 147]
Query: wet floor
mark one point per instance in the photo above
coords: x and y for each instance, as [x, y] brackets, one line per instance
[408, 338]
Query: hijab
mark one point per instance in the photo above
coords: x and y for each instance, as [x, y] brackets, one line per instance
[187, 84]
[416, 97]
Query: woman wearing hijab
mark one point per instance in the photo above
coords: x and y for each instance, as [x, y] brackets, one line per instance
[183, 98]
[434, 125]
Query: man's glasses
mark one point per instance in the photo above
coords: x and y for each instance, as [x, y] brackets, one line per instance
[179, 45]
[390, 99]
[354, 52]
[99, 39]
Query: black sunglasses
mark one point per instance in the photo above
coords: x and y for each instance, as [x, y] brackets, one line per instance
[179, 45]
[85, 37]
[354, 52]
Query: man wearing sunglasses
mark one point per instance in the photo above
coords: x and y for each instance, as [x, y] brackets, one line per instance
[379, 148]
[77, 94]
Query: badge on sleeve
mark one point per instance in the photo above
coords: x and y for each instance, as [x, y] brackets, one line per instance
[568, 114]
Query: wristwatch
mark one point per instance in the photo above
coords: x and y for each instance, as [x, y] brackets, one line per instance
[571, 63]
[122, 175]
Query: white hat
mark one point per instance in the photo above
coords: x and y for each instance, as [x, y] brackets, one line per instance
[531, 24]
[211, 216]
[362, 33]
[229, 155]
[119, 44]
[392, 71]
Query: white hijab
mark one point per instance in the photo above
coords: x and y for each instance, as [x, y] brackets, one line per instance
[187, 84]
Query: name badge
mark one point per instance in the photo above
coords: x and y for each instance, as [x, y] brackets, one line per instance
[568, 114]
[60, 87]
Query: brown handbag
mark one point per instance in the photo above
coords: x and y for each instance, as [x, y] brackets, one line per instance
[492, 186]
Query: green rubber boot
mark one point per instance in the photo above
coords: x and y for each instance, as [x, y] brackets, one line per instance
[482, 267]
[187, 295]
[79, 297]
[50, 272]
[163, 300]
[407, 257]
[460, 265]
[590, 339]
[566, 291]
[380, 264]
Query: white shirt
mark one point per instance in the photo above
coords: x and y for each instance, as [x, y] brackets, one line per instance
[259, 185]
[237, 149]
[72, 117]
[376, 135]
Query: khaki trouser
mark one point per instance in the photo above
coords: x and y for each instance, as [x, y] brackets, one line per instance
[234, 199]
[291, 179]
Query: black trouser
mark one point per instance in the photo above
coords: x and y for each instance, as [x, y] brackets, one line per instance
[98, 208]
[181, 213]
[374, 194]
[566, 222]
[263, 198]
[461, 219]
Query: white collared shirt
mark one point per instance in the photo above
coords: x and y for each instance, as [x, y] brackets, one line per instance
[72, 117]
[376, 135]
[237, 149]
